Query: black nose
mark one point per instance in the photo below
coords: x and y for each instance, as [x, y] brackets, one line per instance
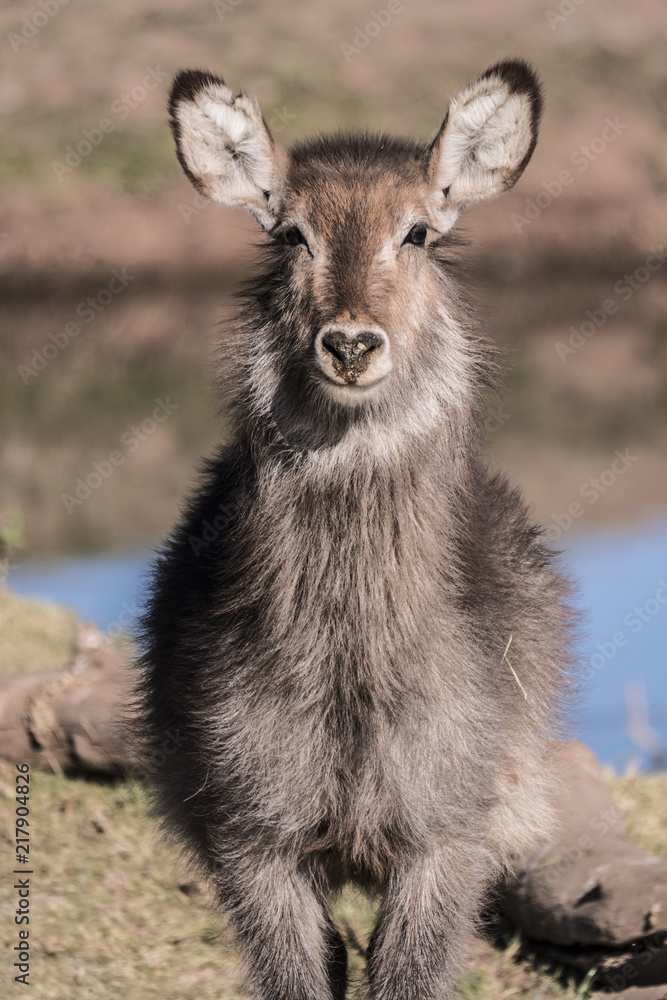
[349, 351]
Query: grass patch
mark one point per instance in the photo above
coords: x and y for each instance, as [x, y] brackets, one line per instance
[643, 801]
[115, 911]
[34, 636]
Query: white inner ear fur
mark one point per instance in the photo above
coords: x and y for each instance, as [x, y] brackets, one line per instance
[483, 141]
[229, 150]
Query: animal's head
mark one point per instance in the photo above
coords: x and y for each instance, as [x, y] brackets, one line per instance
[358, 296]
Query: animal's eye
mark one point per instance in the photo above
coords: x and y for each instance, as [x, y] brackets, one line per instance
[293, 236]
[417, 235]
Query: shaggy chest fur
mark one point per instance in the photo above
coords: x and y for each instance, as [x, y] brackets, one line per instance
[349, 567]
[348, 572]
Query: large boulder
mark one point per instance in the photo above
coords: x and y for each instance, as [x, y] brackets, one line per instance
[595, 898]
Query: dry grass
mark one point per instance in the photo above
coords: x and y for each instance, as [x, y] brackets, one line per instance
[108, 917]
[115, 911]
[34, 636]
[643, 802]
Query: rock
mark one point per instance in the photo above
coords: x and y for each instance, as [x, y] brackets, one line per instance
[597, 900]
[70, 719]
[591, 886]
[643, 965]
[15, 689]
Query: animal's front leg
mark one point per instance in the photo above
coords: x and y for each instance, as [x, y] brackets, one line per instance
[292, 949]
[425, 919]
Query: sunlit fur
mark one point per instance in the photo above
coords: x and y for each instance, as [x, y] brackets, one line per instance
[332, 657]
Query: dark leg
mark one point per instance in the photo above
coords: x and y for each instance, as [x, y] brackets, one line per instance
[337, 963]
[292, 950]
[425, 918]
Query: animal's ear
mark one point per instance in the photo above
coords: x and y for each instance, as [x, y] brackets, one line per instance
[487, 137]
[225, 146]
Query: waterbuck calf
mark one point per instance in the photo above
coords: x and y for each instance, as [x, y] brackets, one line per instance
[329, 623]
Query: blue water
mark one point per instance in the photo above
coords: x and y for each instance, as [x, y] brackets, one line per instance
[622, 592]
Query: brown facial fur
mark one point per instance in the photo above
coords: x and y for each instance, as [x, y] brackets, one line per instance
[356, 215]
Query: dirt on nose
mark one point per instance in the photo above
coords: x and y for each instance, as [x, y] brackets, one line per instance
[350, 358]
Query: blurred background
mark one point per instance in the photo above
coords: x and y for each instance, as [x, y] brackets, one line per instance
[114, 277]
